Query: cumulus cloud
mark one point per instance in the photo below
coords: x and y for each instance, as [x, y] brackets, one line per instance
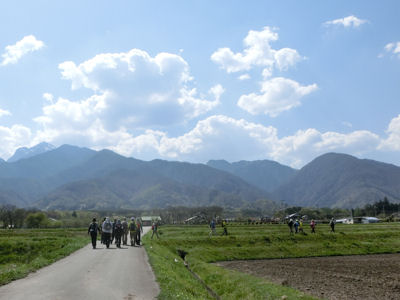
[393, 48]
[392, 142]
[140, 90]
[277, 95]
[350, 21]
[13, 53]
[12, 138]
[220, 136]
[244, 77]
[4, 112]
[257, 52]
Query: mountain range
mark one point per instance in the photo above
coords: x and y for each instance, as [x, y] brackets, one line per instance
[70, 177]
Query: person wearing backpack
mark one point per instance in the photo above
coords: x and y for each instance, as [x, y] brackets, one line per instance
[118, 233]
[290, 224]
[139, 231]
[132, 231]
[102, 232]
[93, 230]
[107, 231]
[113, 230]
[125, 233]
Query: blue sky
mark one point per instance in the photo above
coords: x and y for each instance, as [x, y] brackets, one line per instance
[200, 80]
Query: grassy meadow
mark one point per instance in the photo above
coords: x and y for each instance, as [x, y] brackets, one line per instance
[246, 242]
[25, 250]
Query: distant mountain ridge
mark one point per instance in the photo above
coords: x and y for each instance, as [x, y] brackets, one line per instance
[25, 152]
[265, 174]
[341, 180]
[79, 178]
[70, 177]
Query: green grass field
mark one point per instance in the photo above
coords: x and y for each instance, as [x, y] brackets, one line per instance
[253, 242]
[25, 250]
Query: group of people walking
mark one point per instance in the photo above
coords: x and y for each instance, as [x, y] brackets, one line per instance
[116, 230]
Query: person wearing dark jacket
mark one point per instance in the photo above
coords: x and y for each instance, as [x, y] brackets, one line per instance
[118, 232]
[93, 230]
[139, 231]
[113, 230]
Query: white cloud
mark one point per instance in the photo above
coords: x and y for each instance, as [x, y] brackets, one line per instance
[13, 53]
[392, 142]
[350, 21]
[244, 77]
[277, 95]
[257, 52]
[4, 112]
[140, 90]
[12, 138]
[393, 48]
[224, 137]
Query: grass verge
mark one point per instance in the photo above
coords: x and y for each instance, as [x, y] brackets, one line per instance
[25, 250]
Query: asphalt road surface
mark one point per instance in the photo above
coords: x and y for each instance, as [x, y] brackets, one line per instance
[90, 274]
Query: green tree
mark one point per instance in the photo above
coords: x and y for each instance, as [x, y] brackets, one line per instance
[36, 220]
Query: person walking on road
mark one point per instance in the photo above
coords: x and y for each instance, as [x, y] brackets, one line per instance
[102, 232]
[118, 233]
[106, 230]
[154, 228]
[125, 233]
[139, 231]
[132, 231]
[113, 230]
[93, 230]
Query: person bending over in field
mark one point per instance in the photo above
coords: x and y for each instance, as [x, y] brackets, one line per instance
[93, 230]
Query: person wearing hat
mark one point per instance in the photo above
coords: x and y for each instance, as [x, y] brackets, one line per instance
[92, 230]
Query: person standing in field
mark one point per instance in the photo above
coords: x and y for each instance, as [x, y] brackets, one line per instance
[296, 226]
[290, 224]
[139, 231]
[332, 223]
[301, 226]
[125, 233]
[212, 227]
[225, 229]
[154, 227]
[106, 230]
[93, 230]
[312, 225]
[132, 231]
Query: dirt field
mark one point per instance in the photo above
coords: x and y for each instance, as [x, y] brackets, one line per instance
[339, 277]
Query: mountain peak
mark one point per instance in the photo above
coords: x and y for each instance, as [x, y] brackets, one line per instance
[24, 152]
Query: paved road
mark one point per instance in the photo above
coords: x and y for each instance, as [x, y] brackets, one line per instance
[90, 274]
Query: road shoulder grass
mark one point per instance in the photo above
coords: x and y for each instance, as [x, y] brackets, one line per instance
[23, 251]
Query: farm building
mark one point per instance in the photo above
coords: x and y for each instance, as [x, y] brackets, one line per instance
[148, 220]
